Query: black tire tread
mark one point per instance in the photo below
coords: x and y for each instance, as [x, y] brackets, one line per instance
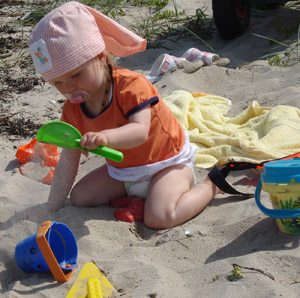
[227, 20]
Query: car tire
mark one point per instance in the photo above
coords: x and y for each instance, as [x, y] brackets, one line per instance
[231, 17]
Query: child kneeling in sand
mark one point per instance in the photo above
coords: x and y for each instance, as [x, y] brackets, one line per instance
[118, 108]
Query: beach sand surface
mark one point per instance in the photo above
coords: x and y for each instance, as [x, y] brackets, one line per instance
[140, 262]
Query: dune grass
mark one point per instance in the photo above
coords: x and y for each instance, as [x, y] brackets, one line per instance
[293, 5]
[287, 48]
[155, 23]
[172, 25]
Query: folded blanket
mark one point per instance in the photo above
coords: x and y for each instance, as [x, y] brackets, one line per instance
[255, 135]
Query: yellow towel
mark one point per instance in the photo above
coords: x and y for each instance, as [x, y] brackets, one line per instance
[257, 134]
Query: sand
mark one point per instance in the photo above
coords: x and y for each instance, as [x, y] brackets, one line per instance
[140, 262]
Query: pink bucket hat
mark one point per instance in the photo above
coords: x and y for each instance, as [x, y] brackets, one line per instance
[73, 34]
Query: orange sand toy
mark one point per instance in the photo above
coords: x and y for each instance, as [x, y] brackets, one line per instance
[43, 244]
[45, 155]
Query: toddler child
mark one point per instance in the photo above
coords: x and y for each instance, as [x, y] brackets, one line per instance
[118, 108]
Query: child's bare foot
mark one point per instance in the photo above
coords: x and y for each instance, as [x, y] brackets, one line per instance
[216, 190]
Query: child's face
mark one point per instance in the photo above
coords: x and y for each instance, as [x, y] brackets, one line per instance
[82, 83]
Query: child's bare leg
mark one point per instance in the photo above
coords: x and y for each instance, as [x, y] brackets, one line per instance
[171, 202]
[96, 188]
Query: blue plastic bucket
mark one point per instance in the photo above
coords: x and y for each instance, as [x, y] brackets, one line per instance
[281, 179]
[62, 243]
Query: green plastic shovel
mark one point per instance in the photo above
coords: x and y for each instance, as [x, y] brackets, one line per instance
[65, 135]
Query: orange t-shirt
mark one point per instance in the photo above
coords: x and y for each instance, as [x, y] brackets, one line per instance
[131, 92]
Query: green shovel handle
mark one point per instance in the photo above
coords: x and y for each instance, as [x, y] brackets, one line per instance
[103, 151]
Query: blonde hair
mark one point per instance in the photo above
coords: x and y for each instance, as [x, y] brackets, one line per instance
[109, 61]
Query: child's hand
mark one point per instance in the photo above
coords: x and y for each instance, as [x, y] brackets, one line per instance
[92, 140]
[127, 136]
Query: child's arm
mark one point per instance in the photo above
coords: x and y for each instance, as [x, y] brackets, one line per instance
[63, 179]
[131, 135]
[64, 176]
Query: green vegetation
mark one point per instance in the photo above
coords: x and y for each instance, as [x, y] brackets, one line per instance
[235, 274]
[38, 10]
[171, 24]
[154, 24]
[277, 61]
[159, 4]
[289, 46]
[155, 21]
[216, 277]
